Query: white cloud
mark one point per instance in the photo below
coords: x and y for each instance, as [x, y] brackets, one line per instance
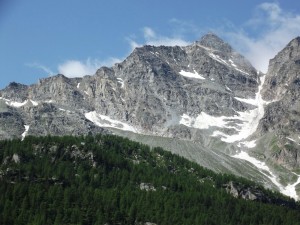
[275, 28]
[76, 68]
[273, 10]
[150, 37]
[133, 44]
[41, 67]
[149, 33]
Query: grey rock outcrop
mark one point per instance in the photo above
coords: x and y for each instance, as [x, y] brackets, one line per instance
[248, 193]
[282, 114]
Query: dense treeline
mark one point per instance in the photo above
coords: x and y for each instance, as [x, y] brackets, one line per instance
[112, 180]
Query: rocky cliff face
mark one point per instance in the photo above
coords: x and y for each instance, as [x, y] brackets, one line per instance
[205, 93]
[282, 114]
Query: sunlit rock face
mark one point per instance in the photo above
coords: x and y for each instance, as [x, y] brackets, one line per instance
[282, 114]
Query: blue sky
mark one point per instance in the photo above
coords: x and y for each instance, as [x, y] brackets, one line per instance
[40, 38]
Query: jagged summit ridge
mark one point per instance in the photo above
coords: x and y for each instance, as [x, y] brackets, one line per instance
[154, 87]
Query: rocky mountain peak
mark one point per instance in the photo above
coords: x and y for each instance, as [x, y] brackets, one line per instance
[283, 73]
[295, 42]
[291, 53]
[212, 41]
[15, 90]
[205, 92]
[293, 49]
[13, 86]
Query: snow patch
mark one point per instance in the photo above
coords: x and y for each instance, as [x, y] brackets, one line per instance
[244, 123]
[232, 63]
[203, 121]
[248, 144]
[242, 71]
[229, 63]
[34, 103]
[18, 104]
[227, 88]
[105, 121]
[191, 75]
[236, 68]
[247, 100]
[25, 132]
[121, 81]
[250, 119]
[218, 58]
[263, 168]
[289, 190]
[291, 139]
[78, 85]
[64, 110]
[204, 47]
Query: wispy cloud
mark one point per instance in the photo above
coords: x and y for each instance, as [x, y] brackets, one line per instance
[77, 68]
[259, 39]
[41, 67]
[150, 37]
[274, 28]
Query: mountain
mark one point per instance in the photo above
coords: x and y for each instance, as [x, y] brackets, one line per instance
[154, 91]
[204, 101]
[106, 179]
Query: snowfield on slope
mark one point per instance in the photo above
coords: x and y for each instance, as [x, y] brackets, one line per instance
[191, 75]
[105, 121]
[245, 123]
[289, 190]
[25, 132]
[18, 104]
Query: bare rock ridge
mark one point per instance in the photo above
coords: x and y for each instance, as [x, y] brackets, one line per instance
[150, 90]
[205, 93]
[282, 115]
